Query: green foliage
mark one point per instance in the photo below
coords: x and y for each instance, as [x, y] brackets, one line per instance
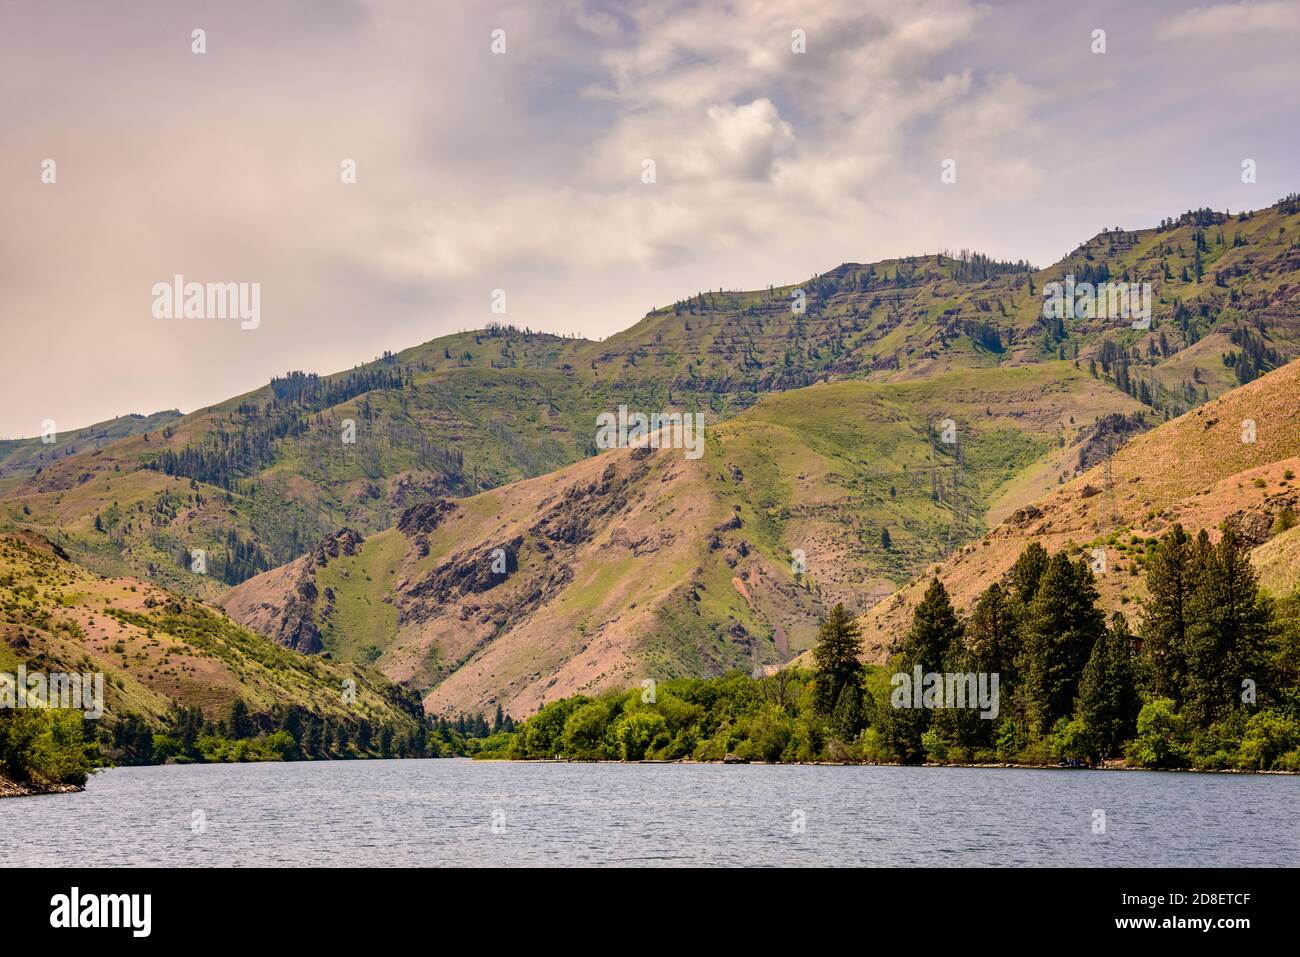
[1269, 736]
[934, 630]
[1161, 740]
[1063, 625]
[1169, 582]
[1108, 698]
[637, 731]
[1230, 628]
[1072, 689]
[44, 746]
[838, 676]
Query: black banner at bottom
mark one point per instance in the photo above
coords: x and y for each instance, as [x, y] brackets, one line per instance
[332, 906]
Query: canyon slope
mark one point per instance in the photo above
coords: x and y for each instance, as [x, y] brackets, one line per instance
[255, 481]
[443, 514]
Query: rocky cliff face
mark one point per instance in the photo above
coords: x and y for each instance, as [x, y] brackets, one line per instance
[284, 609]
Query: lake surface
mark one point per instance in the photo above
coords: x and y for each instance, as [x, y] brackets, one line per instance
[459, 812]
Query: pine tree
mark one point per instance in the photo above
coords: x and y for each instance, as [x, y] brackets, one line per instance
[934, 630]
[1028, 570]
[838, 662]
[1063, 625]
[1108, 699]
[934, 638]
[241, 726]
[1229, 628]
[1169, 581]
[992, 636]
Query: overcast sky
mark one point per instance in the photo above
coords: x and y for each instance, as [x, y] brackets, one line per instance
[523, 170]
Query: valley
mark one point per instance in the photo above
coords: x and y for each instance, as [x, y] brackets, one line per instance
[864, 428]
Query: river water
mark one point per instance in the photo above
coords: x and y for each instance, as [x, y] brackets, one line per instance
[459, 812]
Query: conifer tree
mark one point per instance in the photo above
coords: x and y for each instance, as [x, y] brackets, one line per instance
[838, 660]
[1229, 628]
[1028, 570]
[1169, 581]
[1063, 625]
[992, 639]
[1108, 699]
[933, 639]
[241, 726]
[934, 630]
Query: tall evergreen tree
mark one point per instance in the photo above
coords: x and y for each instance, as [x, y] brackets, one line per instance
[1169, 581]
[1028, 570]
[1230, 626]
[838, 661]
[1108, 700]
[1063, 625]
[990, 645]
[933, 639]
[934, 630]
[241, 725]
[992, 637]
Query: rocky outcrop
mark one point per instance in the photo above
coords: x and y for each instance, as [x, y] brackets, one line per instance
[1260, 522]
[289, 616]
[469, 573]
[345, 541]
[295, 624]
[424, 517]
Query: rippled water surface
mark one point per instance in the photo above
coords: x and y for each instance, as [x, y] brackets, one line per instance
[457, 812]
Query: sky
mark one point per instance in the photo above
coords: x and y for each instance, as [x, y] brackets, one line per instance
[518, 161]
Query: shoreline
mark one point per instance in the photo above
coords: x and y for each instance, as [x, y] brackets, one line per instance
[18, 789]
[1007, 765]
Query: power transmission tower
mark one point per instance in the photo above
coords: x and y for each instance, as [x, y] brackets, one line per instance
[1112, 519]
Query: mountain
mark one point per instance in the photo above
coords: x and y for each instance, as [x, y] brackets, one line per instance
[874, 417]
[257, 480]
[641, 562]
[159, 651]
[22, 458]
[1234, 459]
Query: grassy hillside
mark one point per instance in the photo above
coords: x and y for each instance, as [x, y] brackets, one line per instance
[160, 652]
[257, 480]
[642, 563]
[1195, 470]
[22, 458]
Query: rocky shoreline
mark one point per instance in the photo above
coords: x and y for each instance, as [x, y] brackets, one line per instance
[9, 789]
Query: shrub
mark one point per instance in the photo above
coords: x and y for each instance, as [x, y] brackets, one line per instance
[1161, 741]
[1269, 736]
[45, 746]
[636, 731]
[585, 730]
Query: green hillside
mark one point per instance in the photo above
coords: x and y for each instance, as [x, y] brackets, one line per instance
[160, 652]
[632, 563]
[258, 479]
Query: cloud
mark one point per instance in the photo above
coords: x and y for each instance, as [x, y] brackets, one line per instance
[1275, 17]
[720, 142]
[523, 171]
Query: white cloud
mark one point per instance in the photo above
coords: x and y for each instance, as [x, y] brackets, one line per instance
[523, 171]
[1233, 19]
